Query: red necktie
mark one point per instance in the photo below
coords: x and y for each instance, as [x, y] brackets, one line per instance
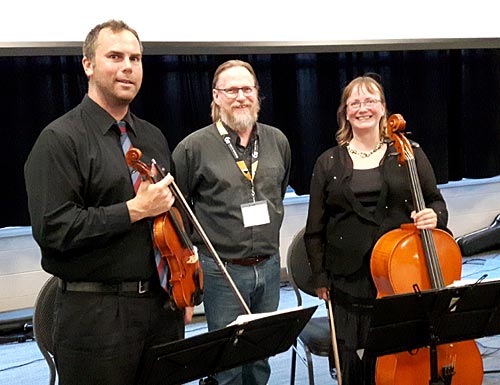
[161, 263]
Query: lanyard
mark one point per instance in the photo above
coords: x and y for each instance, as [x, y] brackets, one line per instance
[250, 175]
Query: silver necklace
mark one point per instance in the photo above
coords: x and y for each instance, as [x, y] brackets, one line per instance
[364, 154]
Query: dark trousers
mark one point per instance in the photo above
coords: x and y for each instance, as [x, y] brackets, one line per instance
[99, 338]
[353, 298]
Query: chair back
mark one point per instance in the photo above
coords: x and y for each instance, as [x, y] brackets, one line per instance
[297, 265]
[43, 319]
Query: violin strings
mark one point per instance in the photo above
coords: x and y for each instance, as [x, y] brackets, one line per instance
[186, 241]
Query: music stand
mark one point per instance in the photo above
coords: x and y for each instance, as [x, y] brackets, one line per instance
[207, 354]
[452, 314]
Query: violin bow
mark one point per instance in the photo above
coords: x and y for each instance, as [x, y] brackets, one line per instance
[199, 229]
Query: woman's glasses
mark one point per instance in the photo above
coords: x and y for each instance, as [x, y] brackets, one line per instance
[368, 103]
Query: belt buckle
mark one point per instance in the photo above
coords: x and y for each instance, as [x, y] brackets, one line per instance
[142, 287]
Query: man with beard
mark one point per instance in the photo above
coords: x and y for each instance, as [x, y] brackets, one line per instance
[94, 229]
[235, 172]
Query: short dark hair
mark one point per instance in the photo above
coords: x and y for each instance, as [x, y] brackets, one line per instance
[89, 46]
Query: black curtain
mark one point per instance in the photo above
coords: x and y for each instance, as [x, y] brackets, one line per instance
[449, 99]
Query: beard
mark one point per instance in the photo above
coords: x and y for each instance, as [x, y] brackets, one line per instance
[240, 122]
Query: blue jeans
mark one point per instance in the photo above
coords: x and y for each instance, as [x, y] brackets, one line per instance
[259, 286]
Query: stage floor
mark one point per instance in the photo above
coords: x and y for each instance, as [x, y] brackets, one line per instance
[22, 363]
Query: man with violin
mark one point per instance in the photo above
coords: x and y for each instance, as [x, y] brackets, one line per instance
[235, 172]
[93, 229]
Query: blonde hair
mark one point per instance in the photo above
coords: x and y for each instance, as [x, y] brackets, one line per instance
[344, 133]
[215, 109]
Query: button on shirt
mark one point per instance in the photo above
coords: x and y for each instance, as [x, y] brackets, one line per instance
[210, 179]
[78, 182]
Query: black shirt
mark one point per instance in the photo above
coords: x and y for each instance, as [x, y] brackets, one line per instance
[78, 182]
[366, 185]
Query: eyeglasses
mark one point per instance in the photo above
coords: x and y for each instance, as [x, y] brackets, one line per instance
[233, 92]
[368, 103]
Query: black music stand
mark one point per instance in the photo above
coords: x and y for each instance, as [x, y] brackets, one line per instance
[410, 321]
[207, 354]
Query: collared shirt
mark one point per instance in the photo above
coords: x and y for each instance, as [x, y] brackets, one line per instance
[212, 182]
[78, 182]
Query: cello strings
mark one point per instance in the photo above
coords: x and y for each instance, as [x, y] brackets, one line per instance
[431, 256]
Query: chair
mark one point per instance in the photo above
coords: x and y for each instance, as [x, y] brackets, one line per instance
[315, 338]
[43, 318]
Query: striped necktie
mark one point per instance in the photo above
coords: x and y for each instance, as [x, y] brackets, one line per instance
[161, 263]
[126, 145]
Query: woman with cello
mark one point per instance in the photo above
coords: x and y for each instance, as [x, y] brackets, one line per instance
[359, 192]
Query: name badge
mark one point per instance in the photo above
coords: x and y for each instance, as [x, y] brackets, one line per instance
[255, 214]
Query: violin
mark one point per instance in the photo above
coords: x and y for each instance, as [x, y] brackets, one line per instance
[170, 237]
[405, 258]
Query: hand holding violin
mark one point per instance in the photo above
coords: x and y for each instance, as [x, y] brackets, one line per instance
[152, 199]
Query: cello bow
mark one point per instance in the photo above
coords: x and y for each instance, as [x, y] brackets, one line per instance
[334, 341]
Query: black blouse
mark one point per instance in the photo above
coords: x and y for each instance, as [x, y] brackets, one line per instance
[341, 231]
[366, 185]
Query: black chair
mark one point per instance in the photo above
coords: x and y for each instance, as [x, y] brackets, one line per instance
[315, 338]
[43, 318]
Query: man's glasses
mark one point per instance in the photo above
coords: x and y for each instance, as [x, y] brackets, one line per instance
[368, 103]
[233, 92]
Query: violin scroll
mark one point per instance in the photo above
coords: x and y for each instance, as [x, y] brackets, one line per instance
[133, 157]
[171, 239]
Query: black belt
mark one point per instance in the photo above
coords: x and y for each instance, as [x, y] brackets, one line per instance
[140, 287]
[249, 261]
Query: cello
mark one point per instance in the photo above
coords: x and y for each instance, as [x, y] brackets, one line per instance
[405, 258]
